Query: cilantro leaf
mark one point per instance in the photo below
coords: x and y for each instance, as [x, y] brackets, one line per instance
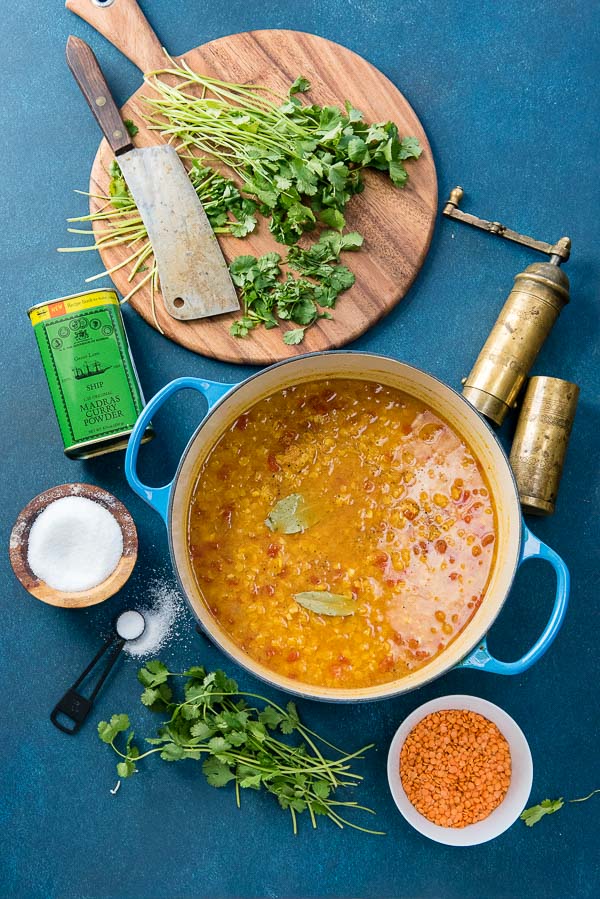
[398, 173]
[236, 738]
[338, 175]
[291, 720]
[358, 150]
[149, 696]
[333, 218]
[126, 768]
[352, 241]
[270, 717]
[172, 752]
[118, 191]
[153, 674]
[242, 327]
[202, 730]
[322, 789]
[132, 128]
[217, 773]
[108, 730]
[190, 712]
[300, 85]
[354, 115]
[296, 335]
[196, 671]
[218, 744]
[410, 148]
[252, 781]
[131, 750]
[534, 814]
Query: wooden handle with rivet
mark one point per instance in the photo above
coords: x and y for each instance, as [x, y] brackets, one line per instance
[89, 77]
[124, 24]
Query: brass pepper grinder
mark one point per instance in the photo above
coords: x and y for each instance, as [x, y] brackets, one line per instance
[540, 444]
[533, 305]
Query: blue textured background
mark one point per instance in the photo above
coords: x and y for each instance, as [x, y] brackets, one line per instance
[508, 94]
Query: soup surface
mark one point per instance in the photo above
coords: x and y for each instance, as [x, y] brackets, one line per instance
[397, 524]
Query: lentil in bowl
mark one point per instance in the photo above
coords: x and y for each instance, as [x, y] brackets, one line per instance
[500, 815]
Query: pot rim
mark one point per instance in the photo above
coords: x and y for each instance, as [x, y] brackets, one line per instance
[360, 694]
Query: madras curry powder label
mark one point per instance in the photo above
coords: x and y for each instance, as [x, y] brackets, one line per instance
[90, 372]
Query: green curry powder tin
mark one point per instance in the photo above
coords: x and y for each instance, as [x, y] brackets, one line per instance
[92, 379]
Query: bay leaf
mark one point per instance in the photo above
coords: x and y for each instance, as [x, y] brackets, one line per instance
[291, 515]
[324, 603]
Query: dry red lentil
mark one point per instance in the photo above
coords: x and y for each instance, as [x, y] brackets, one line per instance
[455, 767]
[401, 504]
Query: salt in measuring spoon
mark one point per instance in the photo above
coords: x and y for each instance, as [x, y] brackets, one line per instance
[74, 706]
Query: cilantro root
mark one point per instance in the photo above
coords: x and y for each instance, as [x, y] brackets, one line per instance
[238, 743]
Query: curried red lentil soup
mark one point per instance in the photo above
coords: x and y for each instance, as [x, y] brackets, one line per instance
[397, 520]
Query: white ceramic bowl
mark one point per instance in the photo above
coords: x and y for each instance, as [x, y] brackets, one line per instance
[518, 792]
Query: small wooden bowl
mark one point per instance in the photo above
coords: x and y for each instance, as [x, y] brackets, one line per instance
[19, 540]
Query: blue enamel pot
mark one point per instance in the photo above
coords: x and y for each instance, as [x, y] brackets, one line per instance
[515, 542]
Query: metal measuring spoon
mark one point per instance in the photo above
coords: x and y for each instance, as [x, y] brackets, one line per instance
[129, 626]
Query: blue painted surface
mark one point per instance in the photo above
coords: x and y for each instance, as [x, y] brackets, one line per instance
[508, 95]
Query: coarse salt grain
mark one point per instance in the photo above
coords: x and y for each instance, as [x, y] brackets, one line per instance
[74, 544]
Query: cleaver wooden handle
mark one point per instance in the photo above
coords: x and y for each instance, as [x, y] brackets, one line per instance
[123, 23]
[89, 77]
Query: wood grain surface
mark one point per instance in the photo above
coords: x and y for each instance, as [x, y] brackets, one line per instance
[397, 224]
[19, 543]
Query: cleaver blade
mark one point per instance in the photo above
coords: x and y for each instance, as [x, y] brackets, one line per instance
[194, 278]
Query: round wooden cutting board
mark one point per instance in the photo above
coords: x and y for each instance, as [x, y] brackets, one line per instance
[397, 224]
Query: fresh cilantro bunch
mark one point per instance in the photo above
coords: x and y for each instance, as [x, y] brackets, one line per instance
[296, 164]
[238, 743]
[302, 162]
[266, 298]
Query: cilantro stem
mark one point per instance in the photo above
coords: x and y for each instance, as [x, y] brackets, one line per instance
[138, 757]
[585, 798]
[343, 821]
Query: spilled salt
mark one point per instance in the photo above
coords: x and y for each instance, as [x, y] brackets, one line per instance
[165, 609]
[74, 544]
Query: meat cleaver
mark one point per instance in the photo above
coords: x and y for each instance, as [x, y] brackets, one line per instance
[194, 278]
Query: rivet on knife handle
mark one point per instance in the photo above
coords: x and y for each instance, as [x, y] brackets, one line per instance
[89, 77]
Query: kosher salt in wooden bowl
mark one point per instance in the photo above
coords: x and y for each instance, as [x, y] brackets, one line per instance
[19, 542]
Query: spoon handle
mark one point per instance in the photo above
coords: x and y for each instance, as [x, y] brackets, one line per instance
[74, 706]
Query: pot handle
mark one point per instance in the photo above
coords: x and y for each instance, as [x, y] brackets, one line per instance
[481, 658]
[158, 497]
